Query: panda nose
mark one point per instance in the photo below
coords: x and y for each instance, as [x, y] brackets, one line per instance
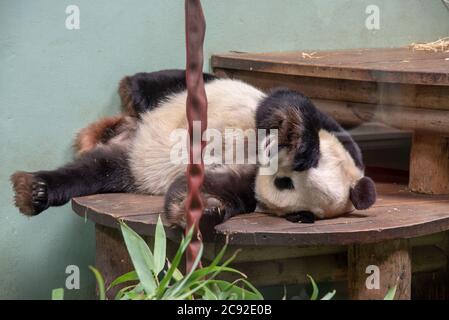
[284, 183]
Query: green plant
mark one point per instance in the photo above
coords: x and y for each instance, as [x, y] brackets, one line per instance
[315, 291]
[155, 277]
[391, 293]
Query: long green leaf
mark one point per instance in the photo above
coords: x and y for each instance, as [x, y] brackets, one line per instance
[205, 282]
[160, 246]
[229, 290]
[177, 275]
[176, 260]
[100, 283]
[315, 291]
[181, 284]
[57, 294]
[120, 295]
[329, 295]
[137, 291]
[209, 294]
[391, 293]
[203, 272]
[141, 257]
[130, 276]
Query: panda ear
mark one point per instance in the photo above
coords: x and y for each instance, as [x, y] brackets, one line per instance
[364, 194]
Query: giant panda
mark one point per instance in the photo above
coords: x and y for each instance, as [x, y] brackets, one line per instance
[320, 170]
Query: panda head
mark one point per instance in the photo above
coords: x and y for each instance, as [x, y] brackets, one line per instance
[319, 166]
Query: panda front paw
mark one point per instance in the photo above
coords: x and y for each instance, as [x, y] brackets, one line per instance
[214, 212]
[30, 193]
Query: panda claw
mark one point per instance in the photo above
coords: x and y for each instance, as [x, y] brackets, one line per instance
[31, 194]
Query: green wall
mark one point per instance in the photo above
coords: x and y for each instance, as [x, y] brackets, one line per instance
[54, 81]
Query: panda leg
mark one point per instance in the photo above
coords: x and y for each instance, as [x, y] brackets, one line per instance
[225, 194]
[98, 171]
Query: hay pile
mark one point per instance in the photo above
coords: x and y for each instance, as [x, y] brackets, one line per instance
[441, 45]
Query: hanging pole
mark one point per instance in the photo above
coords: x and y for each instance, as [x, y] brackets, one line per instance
[196, 109]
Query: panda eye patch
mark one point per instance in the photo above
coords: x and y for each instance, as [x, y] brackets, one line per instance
[284, 183]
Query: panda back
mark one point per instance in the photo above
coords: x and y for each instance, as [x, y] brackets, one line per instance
[231, 104]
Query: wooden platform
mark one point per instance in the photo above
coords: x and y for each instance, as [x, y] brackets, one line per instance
[398, 87]
[403, 233]
[398, 214]
[393, 65]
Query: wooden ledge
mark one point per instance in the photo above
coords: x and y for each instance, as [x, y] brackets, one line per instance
[397, 214]
[394, 65]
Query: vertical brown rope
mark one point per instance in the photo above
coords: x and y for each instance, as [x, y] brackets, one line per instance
[196, 109]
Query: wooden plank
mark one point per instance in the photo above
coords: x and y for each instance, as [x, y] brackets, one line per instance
[402, 222]
[398, 213]
[111, 256]
[394, 268]
[405, 118]
[429, 163]
[428, 258]
[322, 267]
[293, 271]
[397, 65]
[377, 93]
[139, 211]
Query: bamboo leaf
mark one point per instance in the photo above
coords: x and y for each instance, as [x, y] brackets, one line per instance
[57, 294]
[182, 284]
[329, 295]
[141, 257]
[391, 293]
[173, 267]
[160, 246]
[130, 276]
[315, 291]
[100, 283]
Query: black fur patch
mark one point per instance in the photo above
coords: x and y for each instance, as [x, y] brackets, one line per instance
[147, 89]
[234, 191]
[102, 170]
[302, 216]
[311, 119]
[364, 194]
[285, 109]
[284, 183]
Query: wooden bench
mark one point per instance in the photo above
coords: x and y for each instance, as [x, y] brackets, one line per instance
[404, 234]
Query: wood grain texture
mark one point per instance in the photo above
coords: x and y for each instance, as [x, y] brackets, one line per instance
[429, 163]
[378, 93]
[111, 257]
[395, 269]
[332, 267]
[398, 213]
[394, 65]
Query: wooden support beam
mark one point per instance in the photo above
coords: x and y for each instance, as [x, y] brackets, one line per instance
[392, 258]
[405, 118]
[112, 258]
[429, 163]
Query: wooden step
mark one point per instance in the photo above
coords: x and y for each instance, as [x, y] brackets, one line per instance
[397, 214]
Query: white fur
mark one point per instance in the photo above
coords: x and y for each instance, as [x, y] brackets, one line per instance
[323, 190]
[231, 104]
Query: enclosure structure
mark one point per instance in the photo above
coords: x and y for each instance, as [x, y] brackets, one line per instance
[404, 234]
